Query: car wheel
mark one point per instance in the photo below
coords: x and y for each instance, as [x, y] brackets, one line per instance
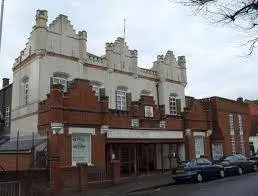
[255, 168]
[199, 178]
[239, 170]
[222, 173]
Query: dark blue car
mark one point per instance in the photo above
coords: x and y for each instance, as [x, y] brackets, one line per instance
[199, 169]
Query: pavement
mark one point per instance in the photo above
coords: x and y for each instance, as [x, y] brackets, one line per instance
[245, 185]
[128, 185]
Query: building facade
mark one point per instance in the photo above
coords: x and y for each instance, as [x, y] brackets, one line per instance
[231, 125]
[5, 107]
[56, 54]
[96, 109]
[143, 138]
[253, 139]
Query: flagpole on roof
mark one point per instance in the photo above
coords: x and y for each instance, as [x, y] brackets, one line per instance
[1, 23]
[124, 29]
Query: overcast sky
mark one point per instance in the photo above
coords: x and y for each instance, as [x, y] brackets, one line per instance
[215, 62]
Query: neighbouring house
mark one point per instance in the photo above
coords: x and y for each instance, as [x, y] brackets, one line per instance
[24, 153]
[253, 110]
[5, 107]
[231, 125]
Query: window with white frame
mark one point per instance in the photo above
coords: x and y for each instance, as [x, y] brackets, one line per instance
[217, 151]
[7, 112]
[240, 125]
[26, 91]
[120, 99]
[96, 91]
[199, 146]
[7, 116]
[62, 81]
[233, 144]
[231, 124]
[232, 133]
[172, 105]
[241, 133]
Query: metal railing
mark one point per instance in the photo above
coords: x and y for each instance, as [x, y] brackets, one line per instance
[10, 188]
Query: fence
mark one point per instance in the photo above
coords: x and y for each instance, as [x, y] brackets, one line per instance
[99, 173]
[10, 188]
[69, 177]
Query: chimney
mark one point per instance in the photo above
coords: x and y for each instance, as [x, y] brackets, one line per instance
[5, 82]
[240, 100]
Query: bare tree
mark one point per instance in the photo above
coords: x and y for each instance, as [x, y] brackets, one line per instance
[241, 13]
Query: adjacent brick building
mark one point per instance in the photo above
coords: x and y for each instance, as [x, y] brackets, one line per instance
[253, 110]
[5, 107]
[231, 125]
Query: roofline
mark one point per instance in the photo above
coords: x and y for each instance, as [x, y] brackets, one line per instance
[6, 87]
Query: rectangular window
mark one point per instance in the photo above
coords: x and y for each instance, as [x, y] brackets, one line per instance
[240, 125]
[26, 92]
[7, 122]
[120, 100]
[96, 91]
[62, 81]
[217, 151]
[231, 124]
[7, 112]
[172, 105]
[7, 116]
[199, 146]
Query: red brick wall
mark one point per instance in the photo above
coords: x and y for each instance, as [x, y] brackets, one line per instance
[8, 161]
[98, 148]
[79, 107]
[221, 108]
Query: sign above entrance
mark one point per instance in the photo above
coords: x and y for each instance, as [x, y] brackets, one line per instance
[148, 111]
[143, 134]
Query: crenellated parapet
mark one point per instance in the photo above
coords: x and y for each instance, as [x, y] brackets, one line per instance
[170, 68]
[58, 37]
[120, 57]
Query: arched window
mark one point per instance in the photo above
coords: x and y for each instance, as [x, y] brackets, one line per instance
[121, 98]
[146, 92]
[60, 78]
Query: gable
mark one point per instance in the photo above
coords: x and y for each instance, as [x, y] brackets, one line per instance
[62, 25]
[195, 111]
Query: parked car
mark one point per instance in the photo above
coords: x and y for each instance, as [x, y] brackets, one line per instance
[255, 158]
[237, 164]
[199, 169]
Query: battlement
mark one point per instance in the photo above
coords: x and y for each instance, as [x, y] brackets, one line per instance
[169, 58]
[62, 25]
[147, 72]
[93, 59]
[41, 14]
[120, 46]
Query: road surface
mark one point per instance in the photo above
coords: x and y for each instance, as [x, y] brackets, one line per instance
[245, 185]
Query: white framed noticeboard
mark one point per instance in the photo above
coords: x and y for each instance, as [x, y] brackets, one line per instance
[148, 111]
[81, 148]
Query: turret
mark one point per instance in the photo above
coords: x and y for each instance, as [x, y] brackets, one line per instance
[41, 18]
[182, 63]
[82, 45]
[39, 34]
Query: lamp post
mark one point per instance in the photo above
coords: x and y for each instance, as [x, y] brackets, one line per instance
[1, 23]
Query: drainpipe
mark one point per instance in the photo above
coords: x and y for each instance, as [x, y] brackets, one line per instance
[157, 86]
